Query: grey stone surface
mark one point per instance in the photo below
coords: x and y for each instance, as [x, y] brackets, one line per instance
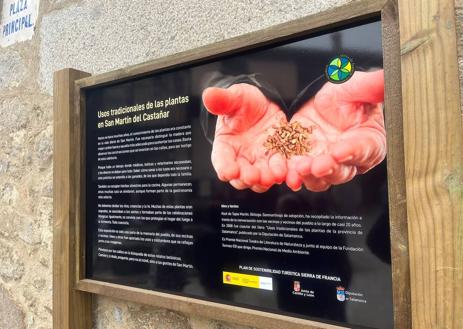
[110, 313]
[14, 113]
[8, 193]
[25, 201]
[4, 164]
[202, 323]
[150, 318]
[10, 222]
[16, 225]
[44, 148]
[29, 232]
[12, 69]
[11, 316]
[12, 267]
[39, 284]
[99, 36]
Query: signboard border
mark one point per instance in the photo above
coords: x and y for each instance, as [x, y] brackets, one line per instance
[73, 293]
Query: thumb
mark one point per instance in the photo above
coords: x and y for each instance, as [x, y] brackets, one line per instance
[220, 101]
[365, 87]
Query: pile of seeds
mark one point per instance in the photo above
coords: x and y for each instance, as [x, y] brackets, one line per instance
[289, 139]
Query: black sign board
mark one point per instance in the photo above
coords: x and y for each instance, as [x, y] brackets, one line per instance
[257, 179]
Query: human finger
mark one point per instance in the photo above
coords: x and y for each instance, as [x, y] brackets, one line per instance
[293, 179]
[220, 101]
[323, 165]
[364, 149]
[260, 188]
[238, 184]
[238, 97]
[223, 158]
[278, 167]
[249, 174]
[365, 87]
[315, 184]
[304, 166]
[267, 178]
[343, 174]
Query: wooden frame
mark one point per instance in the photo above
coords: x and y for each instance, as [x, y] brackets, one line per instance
[72, 292]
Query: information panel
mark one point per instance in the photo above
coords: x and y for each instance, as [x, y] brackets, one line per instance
[256, 180]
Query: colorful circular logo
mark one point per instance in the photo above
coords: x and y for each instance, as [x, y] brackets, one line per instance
[340, 69]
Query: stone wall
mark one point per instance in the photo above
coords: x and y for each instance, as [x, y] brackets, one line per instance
[94, 36]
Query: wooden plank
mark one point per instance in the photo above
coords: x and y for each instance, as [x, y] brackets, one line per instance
[396, 168]
[80, 172]
[232, 314]
[434, 161]
[351, 12]
[72, 309]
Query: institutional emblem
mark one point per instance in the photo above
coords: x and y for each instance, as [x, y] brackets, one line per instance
[297, 286]
[340, 69]
[341, 293]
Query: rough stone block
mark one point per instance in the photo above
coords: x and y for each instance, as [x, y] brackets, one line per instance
[12, 69]
[12, 267]
[11, 315]
[99, 36]
[14, 113]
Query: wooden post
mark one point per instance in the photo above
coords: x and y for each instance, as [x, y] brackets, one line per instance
[72, 309]
[434, 161]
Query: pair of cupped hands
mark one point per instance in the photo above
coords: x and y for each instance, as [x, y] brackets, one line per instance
[348, 135]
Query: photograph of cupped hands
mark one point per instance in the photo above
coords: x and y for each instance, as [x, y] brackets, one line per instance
[335, 135]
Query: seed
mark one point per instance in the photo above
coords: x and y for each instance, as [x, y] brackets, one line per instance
[289, 139]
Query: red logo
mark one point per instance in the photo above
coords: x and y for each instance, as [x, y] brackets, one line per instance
[297, 286]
